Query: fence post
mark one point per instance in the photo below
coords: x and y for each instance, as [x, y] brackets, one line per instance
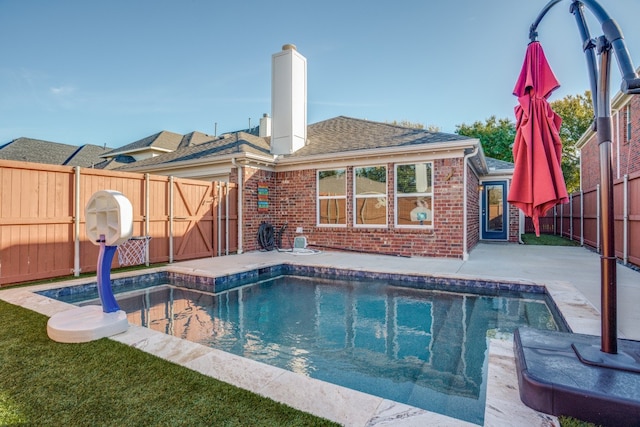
[226, 220]
[571, 217]
[219, 217]
[561, 220]
[170, 219]
[625, 226]
[598, 219]
[76, 223]
[581, 217]
[146, 219]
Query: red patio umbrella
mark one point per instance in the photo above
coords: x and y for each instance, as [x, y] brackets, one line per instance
[538, 184]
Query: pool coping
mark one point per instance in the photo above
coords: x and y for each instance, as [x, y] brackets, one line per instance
[343, 405]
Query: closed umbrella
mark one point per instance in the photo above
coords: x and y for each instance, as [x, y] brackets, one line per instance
[538, 184]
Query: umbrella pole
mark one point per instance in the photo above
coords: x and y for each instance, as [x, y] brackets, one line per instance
[608, 288]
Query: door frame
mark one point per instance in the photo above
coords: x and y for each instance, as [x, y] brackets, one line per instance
[485, 232]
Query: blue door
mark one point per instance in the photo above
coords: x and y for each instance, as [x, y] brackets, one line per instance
[494, 219]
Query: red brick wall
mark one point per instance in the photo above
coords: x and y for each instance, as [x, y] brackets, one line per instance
[629, 150]
[590, 166]
[251, 218]
[292, 198]
[514, 223]
[473, 210]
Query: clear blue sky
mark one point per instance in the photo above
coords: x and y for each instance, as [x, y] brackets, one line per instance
[111, 72]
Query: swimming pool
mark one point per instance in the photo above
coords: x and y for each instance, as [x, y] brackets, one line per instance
[385, 336]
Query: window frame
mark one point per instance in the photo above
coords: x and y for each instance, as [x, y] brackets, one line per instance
[338, 197]
[397, 196]
[356, 197]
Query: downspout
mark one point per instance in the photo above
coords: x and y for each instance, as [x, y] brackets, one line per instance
[618, 144]
[465, 163]
[240, 202]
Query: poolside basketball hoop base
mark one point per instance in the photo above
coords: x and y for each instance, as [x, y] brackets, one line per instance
[84, 324]
[109, 219]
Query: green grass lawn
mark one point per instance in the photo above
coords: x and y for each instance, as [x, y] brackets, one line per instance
[547, 239]
[106, 383]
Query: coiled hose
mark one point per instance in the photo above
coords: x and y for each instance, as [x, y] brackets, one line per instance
[267, 236]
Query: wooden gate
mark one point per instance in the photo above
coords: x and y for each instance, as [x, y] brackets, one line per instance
[192, 219]
[205, 219]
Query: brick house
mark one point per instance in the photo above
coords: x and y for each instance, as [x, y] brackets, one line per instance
[350, 184]
[625, 144]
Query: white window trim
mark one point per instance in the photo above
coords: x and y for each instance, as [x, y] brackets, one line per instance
[318, 197]
[371, 196]
[395, 198]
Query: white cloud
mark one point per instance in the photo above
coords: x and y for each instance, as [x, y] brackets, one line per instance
[62, 90]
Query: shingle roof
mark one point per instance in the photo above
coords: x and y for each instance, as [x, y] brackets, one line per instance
[53, 153]
[194, 138]
[348, 134]
[237, 142]
[86, 156]
[114, 162]
[163, 140]
[333, 136]
[495, 164]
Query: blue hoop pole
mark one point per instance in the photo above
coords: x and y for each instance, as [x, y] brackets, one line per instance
[105, 257]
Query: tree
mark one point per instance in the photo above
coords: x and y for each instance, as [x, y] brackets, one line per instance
[495, 135]
[577, 116]
[406, 124]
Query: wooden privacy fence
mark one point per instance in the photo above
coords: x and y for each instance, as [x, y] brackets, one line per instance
[42, 223]
[579, 220]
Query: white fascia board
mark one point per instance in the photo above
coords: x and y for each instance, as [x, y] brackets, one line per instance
[498, 174]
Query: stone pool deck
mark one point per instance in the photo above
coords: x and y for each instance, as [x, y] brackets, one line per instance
[571, 275]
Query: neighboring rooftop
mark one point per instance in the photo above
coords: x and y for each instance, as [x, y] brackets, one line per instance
[159, 143]
[237, 142]
[40, 151]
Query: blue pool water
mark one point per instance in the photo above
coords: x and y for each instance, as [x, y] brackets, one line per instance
[425, 348]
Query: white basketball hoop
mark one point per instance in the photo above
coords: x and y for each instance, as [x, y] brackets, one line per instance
[133, 251]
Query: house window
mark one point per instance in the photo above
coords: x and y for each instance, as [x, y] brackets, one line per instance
[414, 195]
[332, 197]
[628, 114]
[370, 196]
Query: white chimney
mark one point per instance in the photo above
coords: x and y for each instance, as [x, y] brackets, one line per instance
[288, 100]
[265, 126]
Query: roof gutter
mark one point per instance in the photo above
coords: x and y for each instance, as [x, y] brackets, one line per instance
[446, 146]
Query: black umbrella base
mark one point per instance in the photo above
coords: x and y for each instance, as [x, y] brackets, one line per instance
[561, 373]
